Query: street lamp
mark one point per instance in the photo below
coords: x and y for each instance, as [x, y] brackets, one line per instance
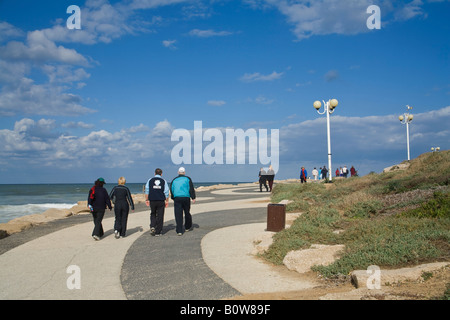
[406, 118]
[329, 107]
[435, 149]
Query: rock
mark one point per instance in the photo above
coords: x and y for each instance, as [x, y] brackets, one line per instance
[401, 166]
[57, 213]
[15, 226]
[3, 234]
[302, 260]
[389, 277]
[79, 208]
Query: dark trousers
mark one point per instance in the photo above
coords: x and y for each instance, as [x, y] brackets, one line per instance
[98, 214]
[270, 184]
[121, 210]
[182, 204]
[261, 183]
[157, 215]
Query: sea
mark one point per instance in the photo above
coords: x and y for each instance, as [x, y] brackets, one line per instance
[17, 200]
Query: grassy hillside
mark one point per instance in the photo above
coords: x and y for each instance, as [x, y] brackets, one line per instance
[393, 219]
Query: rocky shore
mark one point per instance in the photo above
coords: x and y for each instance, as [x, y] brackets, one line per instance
[23, 223]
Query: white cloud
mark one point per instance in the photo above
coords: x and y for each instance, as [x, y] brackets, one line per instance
[29, 98]
[216, 103]
[65, 73]
[263, 100]
[208, 33]
[79, 124]
[410, 10]
[39, 48]
[38, 143]
[310, 18]
[251, 77]
[9, 31]
[151, 4]
[169, 44]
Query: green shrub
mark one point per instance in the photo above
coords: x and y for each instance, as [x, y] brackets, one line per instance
[437, 207]
[364, 209]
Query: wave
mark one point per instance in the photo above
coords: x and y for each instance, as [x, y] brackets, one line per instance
[9, 212]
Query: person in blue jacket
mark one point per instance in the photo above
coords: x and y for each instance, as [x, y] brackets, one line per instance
[182, 191]
[303, 175]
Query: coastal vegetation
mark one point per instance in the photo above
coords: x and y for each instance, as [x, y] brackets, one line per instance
[393, 219]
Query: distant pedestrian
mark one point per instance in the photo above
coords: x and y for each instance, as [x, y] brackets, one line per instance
[352, 171]
[262, 179]
[344, 171]
[270, 177]
[98, 201]
[315, 173]
[182, 191]
[324, 172]
[337, 172]
[121, 197]
[320, 173]
[157, 198]
[303, 175]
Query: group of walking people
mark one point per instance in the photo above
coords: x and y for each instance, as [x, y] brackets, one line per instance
[343, 172]
[266, 177]
[317, 174]
[323, 172]
[157, 192]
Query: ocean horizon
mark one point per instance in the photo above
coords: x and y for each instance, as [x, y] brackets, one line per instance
[17, 200]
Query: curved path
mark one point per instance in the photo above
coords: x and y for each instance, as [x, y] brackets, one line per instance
[138, 266]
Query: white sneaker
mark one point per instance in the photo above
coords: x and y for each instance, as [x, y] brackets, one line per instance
[96, 238]
[117, 234]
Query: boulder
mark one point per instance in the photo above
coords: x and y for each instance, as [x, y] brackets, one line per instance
[318, 254]
[57, 213]
[14, 226]
[389, 277]
[401, 166]
[79, 208]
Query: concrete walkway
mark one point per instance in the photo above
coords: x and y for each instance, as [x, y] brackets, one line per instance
[109, 269]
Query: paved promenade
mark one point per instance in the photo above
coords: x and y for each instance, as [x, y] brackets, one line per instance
[211, 262]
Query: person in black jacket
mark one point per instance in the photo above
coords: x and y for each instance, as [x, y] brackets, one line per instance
[262, 179]
[157, 198]
[98, 200]
[122, 201]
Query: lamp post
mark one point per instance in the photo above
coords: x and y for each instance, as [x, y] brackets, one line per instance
[435, 149]
[329, 107]
[406, 118]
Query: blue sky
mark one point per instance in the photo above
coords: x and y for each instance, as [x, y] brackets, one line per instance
[105, 100]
